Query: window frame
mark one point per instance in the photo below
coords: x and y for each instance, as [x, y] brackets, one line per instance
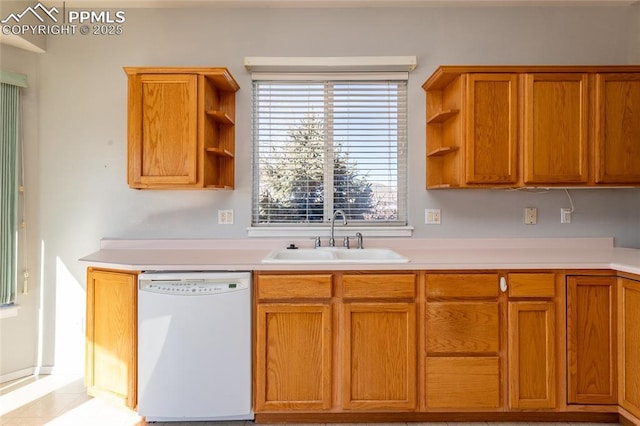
[381, 228]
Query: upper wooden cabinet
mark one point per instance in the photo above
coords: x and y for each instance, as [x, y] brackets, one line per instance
[181, 127]
[555, 128]
[516, 126]
[617, 122]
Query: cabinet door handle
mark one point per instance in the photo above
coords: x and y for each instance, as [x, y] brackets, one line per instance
[503, 284]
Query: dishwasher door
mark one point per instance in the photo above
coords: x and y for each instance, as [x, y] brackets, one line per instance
[194, 346]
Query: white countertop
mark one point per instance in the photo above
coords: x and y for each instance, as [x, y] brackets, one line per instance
[424, 254]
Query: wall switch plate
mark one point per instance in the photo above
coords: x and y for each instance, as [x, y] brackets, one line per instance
[225, 217]
[530, 215]
[565, 215]
[432, 216]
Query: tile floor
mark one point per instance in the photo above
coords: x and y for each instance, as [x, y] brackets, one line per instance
[63, 401]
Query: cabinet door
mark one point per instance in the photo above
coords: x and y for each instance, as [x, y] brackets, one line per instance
[379, 356]
[293, 357]
[591, 340]
[532, 356]
[163, 138]
[617, 128]
[629, 358]
[491, 128]
[111, 356]
[556, 128]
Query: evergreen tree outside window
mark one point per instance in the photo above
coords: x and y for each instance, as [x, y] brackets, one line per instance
[326, 144]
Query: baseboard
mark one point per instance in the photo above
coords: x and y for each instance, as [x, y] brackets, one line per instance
[628, 419]
[403, 417]
[26, 372]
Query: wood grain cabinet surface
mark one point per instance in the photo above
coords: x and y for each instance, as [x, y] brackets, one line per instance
[591, 340]
[111, 335]
[335, 342]
[516, 126]
[294, 342]
[181, 127]
[463, 334]
[629, 353]
[532, 340]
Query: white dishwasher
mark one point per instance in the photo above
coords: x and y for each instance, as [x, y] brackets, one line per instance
[194, 346]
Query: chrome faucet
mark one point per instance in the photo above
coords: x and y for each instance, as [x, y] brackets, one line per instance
[332, 241]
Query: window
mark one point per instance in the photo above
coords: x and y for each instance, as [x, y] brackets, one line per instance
[10, 84]
[329, 142]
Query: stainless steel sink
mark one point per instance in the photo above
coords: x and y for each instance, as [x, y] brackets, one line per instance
[334, 255]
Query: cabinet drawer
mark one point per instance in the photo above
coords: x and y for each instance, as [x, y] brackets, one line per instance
[462, 285]
[463, 327]
[370, 286]
[294, 286]
[463, 382]
[532, 285]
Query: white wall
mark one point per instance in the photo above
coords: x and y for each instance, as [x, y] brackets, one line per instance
[81, 151]
[19, 335]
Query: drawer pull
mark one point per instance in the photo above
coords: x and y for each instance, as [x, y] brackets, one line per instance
[503, 284]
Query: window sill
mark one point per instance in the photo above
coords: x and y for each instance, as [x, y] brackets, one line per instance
[340, 231]
[9, 311]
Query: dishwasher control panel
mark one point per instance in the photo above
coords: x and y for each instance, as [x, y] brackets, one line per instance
[192, 284]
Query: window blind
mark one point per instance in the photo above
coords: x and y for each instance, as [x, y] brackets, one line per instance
[322, 144]
[9, 183]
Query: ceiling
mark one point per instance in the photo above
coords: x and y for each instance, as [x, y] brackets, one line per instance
[336, 3]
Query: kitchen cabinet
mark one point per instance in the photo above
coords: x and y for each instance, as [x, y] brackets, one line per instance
[531, 340]
[629, 354]
[181, 127]
[472, 131]
[617, 128]
[378, 338]
[463, 334]
[370, 317]
[555, 128]
[468, 322]
[591, 340]
[518, 126]
[293, 355]
[111, 335]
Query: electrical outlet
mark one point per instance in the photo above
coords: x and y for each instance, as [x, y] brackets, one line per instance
[225, 217]
[530, 215]
[432, 216]
[565, 215]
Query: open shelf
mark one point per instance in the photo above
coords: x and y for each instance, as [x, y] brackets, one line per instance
[442, 116]
[219, 152]
[220, 117]
[442, 151]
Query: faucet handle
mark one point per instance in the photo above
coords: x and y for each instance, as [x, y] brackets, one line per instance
[359, 237]
[317, 243]
[345, 242]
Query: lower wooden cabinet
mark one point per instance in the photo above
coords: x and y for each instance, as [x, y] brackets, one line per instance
[378, 341]
[294, 356]
[591, 340]
[293, 362]
[483, 329]
[463, 328]
[629, 356]
[111, 335]
[311, 343]
[531, 329]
